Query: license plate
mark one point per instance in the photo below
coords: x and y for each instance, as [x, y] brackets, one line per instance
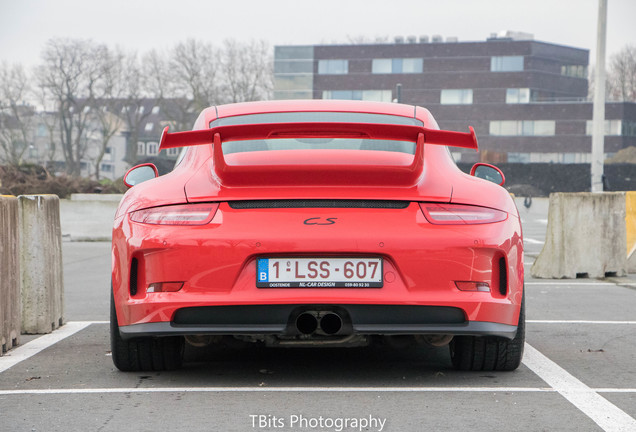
[319, 273]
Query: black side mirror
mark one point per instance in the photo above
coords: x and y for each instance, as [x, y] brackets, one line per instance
[140, 173]
[488, 172]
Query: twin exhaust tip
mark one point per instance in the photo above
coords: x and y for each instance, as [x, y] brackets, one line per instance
[309, 322]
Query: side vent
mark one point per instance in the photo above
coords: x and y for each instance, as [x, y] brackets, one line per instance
[503, 277]
[133, 276]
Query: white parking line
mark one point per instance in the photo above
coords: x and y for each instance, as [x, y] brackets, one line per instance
[615, 390]
[279, 390]
[608, 416]
[580, 322]
[30, 349]
[532, 241]
[605, 414]
[297, 389]
[562, 284]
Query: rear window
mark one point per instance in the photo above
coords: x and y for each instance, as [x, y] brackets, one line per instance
[317, 143]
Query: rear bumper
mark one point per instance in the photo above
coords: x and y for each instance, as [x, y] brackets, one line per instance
[217, 265]
[280, 320]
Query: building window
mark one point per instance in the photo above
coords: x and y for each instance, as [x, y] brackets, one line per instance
[108, 154]
[522, 127]
[518, 157]
[155, 110]
[294, 72]
[141, 148]
[333, 67]
[367, 95]
[381, 66]
[629, 128]
[612, 127]
[172, 151]
[576, 71]
[152, 149]
[566, 158]
[517, 95]
[506, 64]
[377, 95]
[106, 167]
[149, 127]
[42, 130]
[456, 97]
[397, 66]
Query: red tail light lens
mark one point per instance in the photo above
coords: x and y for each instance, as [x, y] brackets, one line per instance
[188, 214]
[458, 214]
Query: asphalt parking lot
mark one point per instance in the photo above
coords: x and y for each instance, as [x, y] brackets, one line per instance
[578, 372]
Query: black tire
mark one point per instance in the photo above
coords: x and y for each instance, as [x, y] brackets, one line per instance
[490, 353]
[143, 354]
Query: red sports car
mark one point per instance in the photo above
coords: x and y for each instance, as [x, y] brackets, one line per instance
[317, 223]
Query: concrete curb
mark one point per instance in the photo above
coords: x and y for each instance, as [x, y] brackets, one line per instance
[41, 263]
[10, 308]
[88, 217]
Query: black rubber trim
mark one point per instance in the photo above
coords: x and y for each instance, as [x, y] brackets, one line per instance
[247, 315]
[503, 277]
[360, 319]
[386, 315]
[473, 328]
[134, 265]
[318, 203]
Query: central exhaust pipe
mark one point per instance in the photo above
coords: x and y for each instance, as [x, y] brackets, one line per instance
[306, 323]
[331, 323]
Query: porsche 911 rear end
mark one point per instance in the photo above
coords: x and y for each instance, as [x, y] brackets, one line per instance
[317, 225]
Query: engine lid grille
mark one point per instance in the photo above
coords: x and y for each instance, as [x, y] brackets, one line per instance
[318, 203]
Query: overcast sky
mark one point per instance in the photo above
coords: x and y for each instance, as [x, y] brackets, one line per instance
[25, 25]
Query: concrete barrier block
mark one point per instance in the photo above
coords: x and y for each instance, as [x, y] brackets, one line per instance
[586, 235]
[10, 309]
[41, 263]
[630, 227]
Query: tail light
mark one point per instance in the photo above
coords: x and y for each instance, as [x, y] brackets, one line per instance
[459, 214]
[188, 214]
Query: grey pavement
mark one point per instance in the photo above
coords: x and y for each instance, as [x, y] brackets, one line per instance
[578, 373]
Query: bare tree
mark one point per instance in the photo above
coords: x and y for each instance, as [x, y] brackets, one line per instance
[95, 91]
[71, 74]
[48, 118]
[247, 71]
[621, 77]
[143, 86]
[16, 116]
[106, 120]
[187, 77]
[194, 68]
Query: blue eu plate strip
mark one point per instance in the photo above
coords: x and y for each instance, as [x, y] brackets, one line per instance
[263, 270]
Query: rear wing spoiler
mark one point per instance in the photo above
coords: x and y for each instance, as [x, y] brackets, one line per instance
[325, 173]
[319, 130]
